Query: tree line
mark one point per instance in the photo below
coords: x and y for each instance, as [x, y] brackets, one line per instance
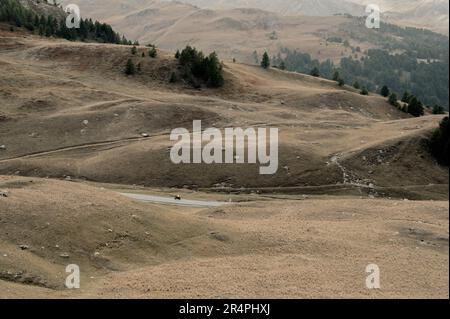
[13, 13]
[428, 81]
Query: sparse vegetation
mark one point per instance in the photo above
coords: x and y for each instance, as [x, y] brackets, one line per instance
[364, 91]
[134, 50]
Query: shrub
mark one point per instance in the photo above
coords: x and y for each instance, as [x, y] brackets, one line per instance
[173, 78]
[153, 53]
[439, 143]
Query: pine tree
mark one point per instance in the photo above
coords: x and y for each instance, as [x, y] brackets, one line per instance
[177, 55]
[282, 66]
[406, 97]
[415, 107]
[133, 50]
[265, 63]
[385, 91]
[130, 68]
[214, 71]
[341, 82]
[393, 100]
[437, 109]
[315, 72]
[364, 91]
[356, 85]
[336, 76]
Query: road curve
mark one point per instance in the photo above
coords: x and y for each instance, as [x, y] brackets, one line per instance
[172, 201]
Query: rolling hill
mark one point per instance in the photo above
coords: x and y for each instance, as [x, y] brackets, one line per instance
[96, 134]
[356, 183]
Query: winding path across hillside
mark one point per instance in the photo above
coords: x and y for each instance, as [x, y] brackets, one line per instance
[172, 201]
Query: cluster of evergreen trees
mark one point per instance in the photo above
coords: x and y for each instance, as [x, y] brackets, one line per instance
[198, 68]
[12, 12]
[422, 68]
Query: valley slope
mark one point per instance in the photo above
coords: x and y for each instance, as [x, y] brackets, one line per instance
[355, 184]
[70, 111]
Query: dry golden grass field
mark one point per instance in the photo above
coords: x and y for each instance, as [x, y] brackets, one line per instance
[355, 183]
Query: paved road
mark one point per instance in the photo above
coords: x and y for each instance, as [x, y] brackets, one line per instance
[172, 201]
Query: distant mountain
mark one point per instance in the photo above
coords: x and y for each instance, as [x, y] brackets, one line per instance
[431, 14]
[286, 7]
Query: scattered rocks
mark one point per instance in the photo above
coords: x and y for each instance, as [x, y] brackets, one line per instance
[85, 122]
[145, 135]
[2, 147]
[64, 255]
[3, 194]
[24, 247]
